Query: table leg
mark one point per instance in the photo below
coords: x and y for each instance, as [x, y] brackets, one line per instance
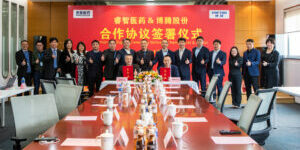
[275, 113]
[32, 92]
[3, 112]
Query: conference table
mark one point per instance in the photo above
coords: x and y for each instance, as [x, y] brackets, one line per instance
[200, 134]
[294, 91]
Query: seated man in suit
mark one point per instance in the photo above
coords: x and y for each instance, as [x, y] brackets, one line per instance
[129, 69]
[183, 58]
[168, 64]
[144, 57]
[217, 60]
[159, 57]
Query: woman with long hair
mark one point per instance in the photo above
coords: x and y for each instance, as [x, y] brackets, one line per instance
[80, 61]
[235, 76]
[67, 61]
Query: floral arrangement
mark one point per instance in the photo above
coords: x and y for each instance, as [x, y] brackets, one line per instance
[147, 75]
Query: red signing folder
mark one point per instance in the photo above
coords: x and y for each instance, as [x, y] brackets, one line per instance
[165, 73]
[128, 72]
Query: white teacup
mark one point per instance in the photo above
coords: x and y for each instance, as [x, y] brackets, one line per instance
[107, 117]
[177, 129]
[109, 102]
[172, 110]
[107, 140]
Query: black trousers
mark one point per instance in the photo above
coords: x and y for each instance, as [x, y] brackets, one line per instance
[236, 93]
[92, 81]
[249, 82]
[200, 77]
[36, 80]
[28, 81]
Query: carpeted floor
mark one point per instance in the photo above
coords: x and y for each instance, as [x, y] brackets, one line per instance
[286, 136]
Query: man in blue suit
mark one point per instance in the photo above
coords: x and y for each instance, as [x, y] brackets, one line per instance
[183, 58]
[126, 50]
[199, 60]
[217, 60]
[251, 60]
[159, 57]
[168, 64]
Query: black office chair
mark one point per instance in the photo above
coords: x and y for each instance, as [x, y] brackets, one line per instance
[64, 80]
[211, 89]
[48, 86]
[262, 122]
[223, 95]
[72, 81]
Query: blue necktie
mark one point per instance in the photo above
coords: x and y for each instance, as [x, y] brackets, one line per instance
[55, 60]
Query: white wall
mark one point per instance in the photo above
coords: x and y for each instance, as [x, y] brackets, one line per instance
[291, 66]
[280, 6]
[18, 2]
[291, 72]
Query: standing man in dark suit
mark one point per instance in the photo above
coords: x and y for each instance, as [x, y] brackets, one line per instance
[199, 60]
[159, 57]
[145, 57]
[23, 60]
[251, 60]
[183, 58]
[95, 68]
[51, 60]
[217, 60]
[110, 61]
[126, 50]
[38, 65]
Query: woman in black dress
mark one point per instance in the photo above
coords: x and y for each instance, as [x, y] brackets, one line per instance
[270, 61]
[66, 59]
[235, 76]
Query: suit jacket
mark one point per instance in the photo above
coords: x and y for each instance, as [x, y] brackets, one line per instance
[22, 70]
[254, 57]
[95, 69]
[67, 67]
[184, 69]
[149, 57]
[159, 57]
[111, 68]
[197, 67]
[235, 70]
[135, 67]
[218, 68]
[174, 71]
[122, 54]
[49, 71]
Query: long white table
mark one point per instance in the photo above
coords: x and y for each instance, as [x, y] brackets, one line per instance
[5, 94]
[294, 91]
[191, 84]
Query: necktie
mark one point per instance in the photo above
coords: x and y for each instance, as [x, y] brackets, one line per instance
[55, 59]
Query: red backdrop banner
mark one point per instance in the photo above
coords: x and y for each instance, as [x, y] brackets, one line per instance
[154, 23]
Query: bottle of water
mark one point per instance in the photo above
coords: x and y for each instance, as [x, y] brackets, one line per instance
[23, 85]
